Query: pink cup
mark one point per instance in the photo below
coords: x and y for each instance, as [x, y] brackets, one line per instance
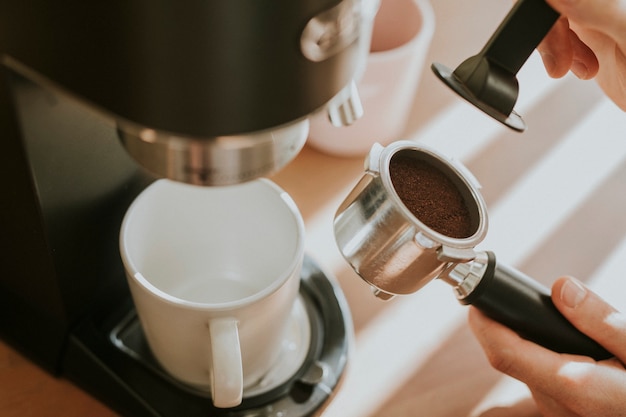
[401, 36]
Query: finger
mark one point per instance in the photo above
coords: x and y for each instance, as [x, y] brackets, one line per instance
[548, 407]
[620, 63]
[591, 315]
[525, 407]
[606, 16]
[556, 49]
[577, 383]
[512, 355]
[612, 58]
[519, 358]
[591, 389]
[584, 62]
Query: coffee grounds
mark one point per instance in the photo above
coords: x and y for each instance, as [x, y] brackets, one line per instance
[430, 196]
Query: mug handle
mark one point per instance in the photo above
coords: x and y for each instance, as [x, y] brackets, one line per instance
[226, 367]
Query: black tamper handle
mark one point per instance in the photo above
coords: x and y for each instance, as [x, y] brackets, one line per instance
[524, 305]
[518, 35]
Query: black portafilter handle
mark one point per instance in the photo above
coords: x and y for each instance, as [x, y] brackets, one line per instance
[524, 305]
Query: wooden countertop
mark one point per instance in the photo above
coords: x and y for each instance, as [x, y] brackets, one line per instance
[556, 201]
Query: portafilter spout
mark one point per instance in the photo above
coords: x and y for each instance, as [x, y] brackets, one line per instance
[415, 216]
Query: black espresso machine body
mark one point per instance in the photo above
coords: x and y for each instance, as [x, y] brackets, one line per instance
[72, 71]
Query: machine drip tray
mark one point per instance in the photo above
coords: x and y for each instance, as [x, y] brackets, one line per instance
[301, 388]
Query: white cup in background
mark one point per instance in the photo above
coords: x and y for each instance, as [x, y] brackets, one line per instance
[214, 273]
[403, 30]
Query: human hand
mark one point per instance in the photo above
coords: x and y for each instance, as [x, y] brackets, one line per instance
[564, 385]
[590, 40]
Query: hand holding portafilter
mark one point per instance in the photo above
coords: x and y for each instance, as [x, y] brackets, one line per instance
[488, 79]
[398, 241]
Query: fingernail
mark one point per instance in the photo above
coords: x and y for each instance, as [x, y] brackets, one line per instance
[572, 293]
[580, 70]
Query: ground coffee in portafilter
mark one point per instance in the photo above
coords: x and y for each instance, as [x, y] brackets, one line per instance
[430, 196]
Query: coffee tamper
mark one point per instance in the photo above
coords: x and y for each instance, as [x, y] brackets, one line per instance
[488, 79]
[396, 252]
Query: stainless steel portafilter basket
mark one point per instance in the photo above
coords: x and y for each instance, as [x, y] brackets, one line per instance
[416, 215]
[390, 248]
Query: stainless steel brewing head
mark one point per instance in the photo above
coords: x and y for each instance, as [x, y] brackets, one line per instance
[222, 160]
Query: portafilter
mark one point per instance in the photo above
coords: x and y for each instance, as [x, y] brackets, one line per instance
[416, 215]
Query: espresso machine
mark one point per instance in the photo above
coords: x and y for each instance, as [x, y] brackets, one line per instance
[97, 100]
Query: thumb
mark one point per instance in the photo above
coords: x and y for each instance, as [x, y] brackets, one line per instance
[607, 16]
[591, 315]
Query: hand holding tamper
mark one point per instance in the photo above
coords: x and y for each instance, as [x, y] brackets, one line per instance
[488, 79]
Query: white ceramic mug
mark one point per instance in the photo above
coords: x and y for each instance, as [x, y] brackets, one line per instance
[214, 273]
[403, 30]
